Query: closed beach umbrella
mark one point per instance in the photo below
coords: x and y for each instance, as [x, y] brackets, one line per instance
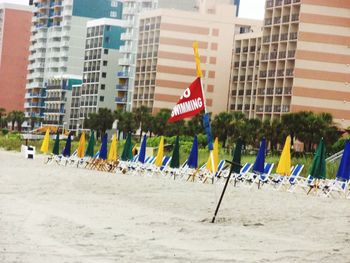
[259, 163]
[160, 153]
[127, 151]
[67, 147]
[103, 149]
[318, 168]
[56, 146]
[81, 146]
[284, 163]
[215, 155]
[192, 160]
[91, 145]
[112, 155]
[142, 153]
[236, 158]
[175, 158]
[45, 145]
[343, 172]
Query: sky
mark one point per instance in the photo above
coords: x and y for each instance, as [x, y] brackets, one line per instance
[249, 8]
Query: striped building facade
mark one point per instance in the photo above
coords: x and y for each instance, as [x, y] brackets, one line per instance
[304, 61]
[165, 64]
[322, 63]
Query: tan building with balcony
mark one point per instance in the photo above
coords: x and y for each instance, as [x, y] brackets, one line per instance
[304, 61]
[165, 63]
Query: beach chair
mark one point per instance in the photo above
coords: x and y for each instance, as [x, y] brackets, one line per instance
[175, 172]
[335, 186]
[264, 178]
[85, 163]
[66, 160]
[124, 166]
[193, 173]
[236, 178]
[306, 184]
[288, 182]
[159, 170]
[209, 175]
[251, 178]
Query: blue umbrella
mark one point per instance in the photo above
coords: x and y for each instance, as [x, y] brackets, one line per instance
[67, 147]
[192, 161]
[103, 149]
[344, 166]
[142, 153]
[258, 166]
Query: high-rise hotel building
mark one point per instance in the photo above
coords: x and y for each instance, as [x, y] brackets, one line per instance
[57, 46]
[131, 14]
[103, 41]
[15, 23]
[304, 61]
[165, 62]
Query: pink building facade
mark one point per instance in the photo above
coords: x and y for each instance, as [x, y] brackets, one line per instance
[15, 23]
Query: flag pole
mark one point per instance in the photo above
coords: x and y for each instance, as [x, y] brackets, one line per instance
[200, 75]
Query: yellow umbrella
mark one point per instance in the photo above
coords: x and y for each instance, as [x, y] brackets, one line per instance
[160, 154]
[284, 164]
[45, 145]
[81, 146]
[112, 155]
[215, 155]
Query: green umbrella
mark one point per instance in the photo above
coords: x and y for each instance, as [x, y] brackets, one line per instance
[56, 146]
[236, 159]
[318, 168]
[235, 168]
[127, 151]
[175, 158]
[91, 145]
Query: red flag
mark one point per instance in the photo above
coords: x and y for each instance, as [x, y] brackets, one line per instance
[190, 103]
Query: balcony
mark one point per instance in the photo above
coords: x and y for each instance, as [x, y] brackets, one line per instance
[123, 74]
[120, 100]
[56, 4]
[125, 49]
[285, 108]
[129, 11]
[125, 61]
[121, 87]
[33, 95]
[127, 36]
[34, 84]
[28, 105]
[55, 111]
[32, 115]
[41, 35]
[37, 75]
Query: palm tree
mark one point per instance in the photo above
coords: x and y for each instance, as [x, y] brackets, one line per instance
[221, 126]
[141, 115]
[19, 119]
[11, 118]
[2, 114]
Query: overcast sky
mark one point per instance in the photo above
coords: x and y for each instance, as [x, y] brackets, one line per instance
[248, 9]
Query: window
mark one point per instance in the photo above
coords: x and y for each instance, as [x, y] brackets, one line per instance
[105, 51]
[107, 40]
[108, 28]
[104, 74]
[113, 14]
[105, 62]
[103, 86]
[102, 98]
[114, 3]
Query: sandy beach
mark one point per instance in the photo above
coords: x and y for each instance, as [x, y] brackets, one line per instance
[50, 213]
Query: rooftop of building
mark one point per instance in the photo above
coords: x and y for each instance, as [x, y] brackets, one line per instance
[106, 21]
[16, 7]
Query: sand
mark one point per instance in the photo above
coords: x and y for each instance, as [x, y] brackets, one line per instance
[50, 213]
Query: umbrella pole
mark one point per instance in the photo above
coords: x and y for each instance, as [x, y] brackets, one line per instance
[221, 197]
